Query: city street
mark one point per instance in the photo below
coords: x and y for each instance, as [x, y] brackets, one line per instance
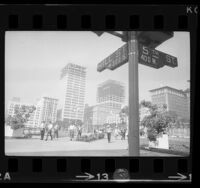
[65, 147]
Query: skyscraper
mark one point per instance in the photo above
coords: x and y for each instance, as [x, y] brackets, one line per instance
[73, 91]
[110, 98]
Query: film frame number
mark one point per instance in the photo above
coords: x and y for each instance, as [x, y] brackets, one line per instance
[102, 176]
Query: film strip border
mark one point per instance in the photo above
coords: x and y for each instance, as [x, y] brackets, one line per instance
[101, 17]
[95, 169]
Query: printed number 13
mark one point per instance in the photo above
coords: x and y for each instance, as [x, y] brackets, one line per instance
[104, 176]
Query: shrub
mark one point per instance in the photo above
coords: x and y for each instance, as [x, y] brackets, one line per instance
[152, 134]
[90, 137]
[157, 122]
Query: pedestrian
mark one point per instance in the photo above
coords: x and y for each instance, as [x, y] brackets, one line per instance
[49, 130]
[42, 130]
[116, 133]
[71, 131]
[124, 134]
[55, 128]
[109, 133]
[95, 133]
[79, 132]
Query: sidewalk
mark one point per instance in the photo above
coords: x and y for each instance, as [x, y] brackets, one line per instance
[65, 147]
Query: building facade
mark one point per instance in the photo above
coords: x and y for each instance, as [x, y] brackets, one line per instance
[110, 98]
[73, 79]
[176, 100]
[46, 110]
[13, 104]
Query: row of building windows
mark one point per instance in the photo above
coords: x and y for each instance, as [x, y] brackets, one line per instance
[173, 92]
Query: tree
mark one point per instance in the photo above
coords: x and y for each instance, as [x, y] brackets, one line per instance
[158, 121]
[78, 122]
[21, 116]
[123, 114]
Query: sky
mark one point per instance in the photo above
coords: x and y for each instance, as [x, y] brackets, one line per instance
[34, 59]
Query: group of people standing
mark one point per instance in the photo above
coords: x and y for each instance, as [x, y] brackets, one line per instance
[117, 132]
[49, 129]
[73, 130]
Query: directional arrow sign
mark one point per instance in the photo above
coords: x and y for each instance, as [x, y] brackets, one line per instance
[147, 56]
[87, 176]
[179, 177]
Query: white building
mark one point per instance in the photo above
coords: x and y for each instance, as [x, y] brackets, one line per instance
[110, 98]
[113, 118]
[177, 101]
[73, 91]
[46, 110]
[13, 104]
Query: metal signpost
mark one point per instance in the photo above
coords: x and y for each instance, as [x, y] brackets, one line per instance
[133, 135]
[138, 49]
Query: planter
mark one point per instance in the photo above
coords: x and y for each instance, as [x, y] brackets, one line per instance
[18, 133]
[88, 137]
[161, 142]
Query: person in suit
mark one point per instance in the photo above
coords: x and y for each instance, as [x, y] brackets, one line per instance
[79, 132]
[42, 130]
[71, 131]
[56, 127]
[108, 130]
[49, 130]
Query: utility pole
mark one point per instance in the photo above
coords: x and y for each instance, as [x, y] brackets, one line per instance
[133, 135]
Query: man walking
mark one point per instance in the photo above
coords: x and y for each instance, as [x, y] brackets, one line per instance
[116, 132]
[79, 132]
[42, 130]
[109, 133]
[56, 130]
[71, 131]
[49, 130]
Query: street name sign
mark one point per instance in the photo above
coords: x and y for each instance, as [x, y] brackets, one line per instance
[116, 59]
[147, 56]
[155, 58]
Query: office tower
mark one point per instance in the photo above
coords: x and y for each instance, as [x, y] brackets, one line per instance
[73, 79]
[110, 98]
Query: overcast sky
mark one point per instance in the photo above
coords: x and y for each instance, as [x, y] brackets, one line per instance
[34, 59]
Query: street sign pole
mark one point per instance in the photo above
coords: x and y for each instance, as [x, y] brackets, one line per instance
[133, 135]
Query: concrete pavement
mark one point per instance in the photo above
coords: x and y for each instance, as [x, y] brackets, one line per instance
[65, 147]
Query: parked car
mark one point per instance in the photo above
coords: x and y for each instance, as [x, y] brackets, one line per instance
[29, 132]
